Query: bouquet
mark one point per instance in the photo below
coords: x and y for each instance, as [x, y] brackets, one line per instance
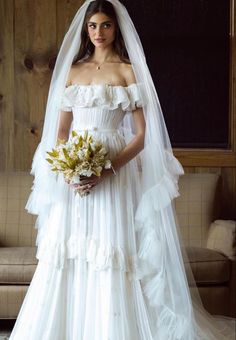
[80, 156]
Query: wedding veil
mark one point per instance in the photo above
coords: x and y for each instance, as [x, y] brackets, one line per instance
[163, 266]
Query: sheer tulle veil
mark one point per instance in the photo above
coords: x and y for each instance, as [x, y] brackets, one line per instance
[162, 265]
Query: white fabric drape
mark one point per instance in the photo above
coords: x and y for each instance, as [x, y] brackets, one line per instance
[164, 270]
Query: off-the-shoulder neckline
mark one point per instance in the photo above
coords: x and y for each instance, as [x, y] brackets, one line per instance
[100, 84]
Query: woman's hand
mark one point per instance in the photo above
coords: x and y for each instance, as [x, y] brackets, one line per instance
[87, 183]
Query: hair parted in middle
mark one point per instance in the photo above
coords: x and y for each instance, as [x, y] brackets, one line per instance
[87, 47]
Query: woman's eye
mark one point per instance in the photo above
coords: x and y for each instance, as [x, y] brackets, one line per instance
[104, 25]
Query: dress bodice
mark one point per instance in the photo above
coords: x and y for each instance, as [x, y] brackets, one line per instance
[100, 105]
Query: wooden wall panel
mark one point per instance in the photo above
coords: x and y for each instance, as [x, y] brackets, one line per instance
[6, 84]
[66, 11]
[31, 34]
[35, 42]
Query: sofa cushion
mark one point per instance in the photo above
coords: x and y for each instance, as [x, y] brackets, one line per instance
[208, 266]
[17, 264]
[222, 237]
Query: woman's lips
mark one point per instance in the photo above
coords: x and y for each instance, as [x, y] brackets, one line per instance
[99, 40]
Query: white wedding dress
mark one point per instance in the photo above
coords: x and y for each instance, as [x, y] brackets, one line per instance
[87, 284]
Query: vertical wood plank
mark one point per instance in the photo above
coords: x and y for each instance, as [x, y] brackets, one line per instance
[66, 11]
[35, 43]
[6, 85]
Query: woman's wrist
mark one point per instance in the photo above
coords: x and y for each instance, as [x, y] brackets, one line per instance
[110, 171]
[113, 169]
[60, 141]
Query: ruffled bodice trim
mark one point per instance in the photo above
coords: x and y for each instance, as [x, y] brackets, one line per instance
[106, 95]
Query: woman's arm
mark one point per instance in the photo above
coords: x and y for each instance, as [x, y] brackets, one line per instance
[66, 118]
[135, 145]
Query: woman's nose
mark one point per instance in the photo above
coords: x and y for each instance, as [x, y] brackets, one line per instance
[99, 30]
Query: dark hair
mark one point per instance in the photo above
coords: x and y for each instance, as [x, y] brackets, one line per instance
[87, 47]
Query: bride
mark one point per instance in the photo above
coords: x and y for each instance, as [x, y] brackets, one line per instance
[105, 66]
[110, 262]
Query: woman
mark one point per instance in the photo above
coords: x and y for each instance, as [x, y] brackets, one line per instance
[110, 264]
[100, 31]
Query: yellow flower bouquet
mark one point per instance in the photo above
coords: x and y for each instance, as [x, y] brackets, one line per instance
[80, 156]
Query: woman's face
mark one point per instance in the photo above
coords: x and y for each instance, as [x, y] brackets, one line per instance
[101, 30]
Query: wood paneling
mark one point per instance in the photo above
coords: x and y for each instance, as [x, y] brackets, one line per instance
[7, 95]
[31, 35]
[65, 13]
[35, 43]
[206, 158]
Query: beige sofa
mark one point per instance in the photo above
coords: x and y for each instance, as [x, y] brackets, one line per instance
[196, 209]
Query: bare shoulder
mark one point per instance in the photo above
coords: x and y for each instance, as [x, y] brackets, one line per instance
[70, 76]
[73, 73]
[128, 73]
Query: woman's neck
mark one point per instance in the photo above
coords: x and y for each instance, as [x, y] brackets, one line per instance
[102, 55]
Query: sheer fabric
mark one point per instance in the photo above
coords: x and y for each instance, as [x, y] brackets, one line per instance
[113, 258]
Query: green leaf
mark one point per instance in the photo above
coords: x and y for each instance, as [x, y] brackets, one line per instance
[53, 153]
[67, 157]
[49, 160]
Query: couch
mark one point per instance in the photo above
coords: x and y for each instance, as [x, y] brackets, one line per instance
[196, 207]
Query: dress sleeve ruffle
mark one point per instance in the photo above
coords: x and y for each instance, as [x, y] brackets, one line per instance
[128, 98]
